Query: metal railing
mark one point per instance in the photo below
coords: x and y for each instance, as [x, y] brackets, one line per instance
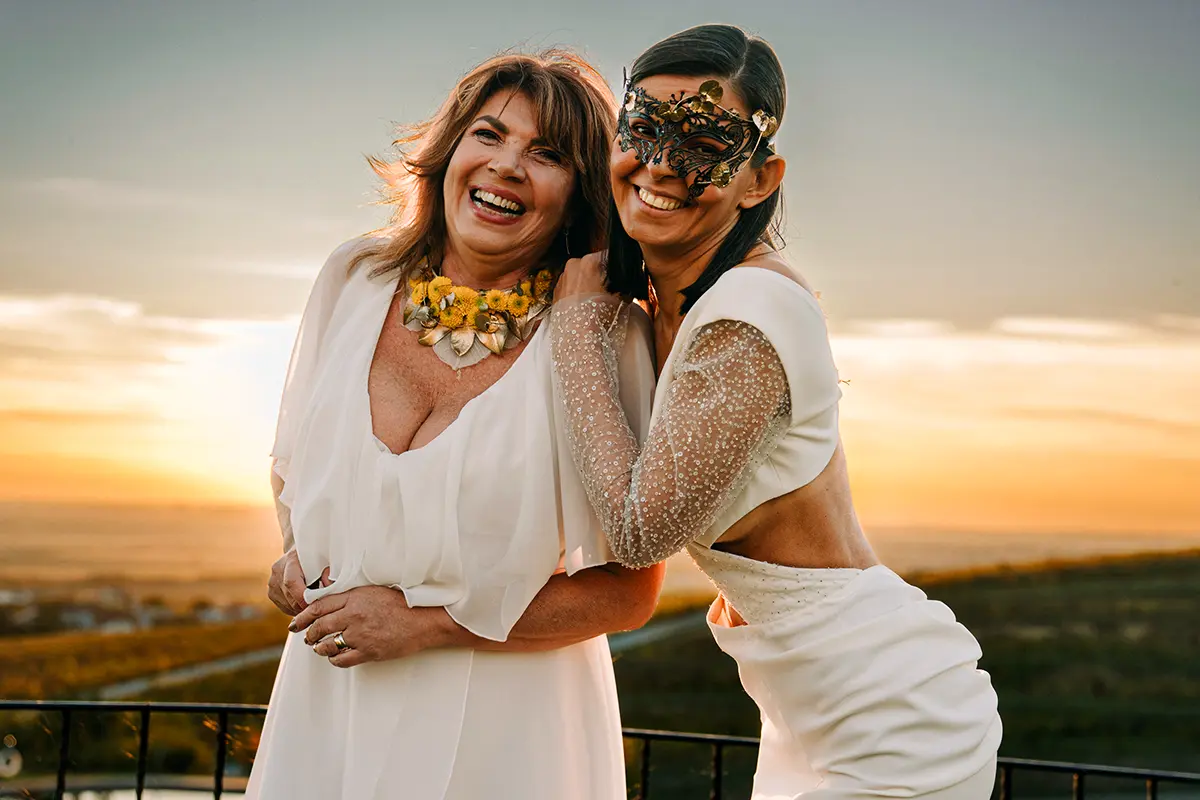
[716, 744]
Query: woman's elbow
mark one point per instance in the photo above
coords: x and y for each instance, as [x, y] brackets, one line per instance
[642, 597]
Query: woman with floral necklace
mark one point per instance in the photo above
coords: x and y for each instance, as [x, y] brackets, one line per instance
[449, 641]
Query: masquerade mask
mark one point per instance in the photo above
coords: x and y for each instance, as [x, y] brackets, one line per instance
[700, 138]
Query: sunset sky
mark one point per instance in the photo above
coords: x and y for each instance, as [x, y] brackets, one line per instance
[997, 201]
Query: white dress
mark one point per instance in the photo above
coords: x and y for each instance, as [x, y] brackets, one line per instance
[476, 521]
[867, 688]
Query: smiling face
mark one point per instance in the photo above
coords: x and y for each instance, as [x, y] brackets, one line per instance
[655, 176]
[507, 193]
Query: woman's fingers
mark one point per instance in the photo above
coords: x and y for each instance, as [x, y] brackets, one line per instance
[327, 648]
[326, 605]
[293, 581]
[582, 276]
[276, 591]
[349, 658]
[325, 626]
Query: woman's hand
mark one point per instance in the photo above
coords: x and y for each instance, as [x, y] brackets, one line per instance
[376, 623]
[583, 276]
[286, 586]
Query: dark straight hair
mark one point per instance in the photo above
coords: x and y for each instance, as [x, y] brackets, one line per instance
[748, 65]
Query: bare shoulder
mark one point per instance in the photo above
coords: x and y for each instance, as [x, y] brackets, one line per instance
[774, 261]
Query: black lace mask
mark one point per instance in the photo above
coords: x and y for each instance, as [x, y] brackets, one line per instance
[704, 143]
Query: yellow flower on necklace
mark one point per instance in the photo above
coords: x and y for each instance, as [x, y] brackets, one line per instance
[439, 287]
[452, 316]
[526, 288]
[419, 292]
[495, 299]
[518, 304]
[465, 303]
[541, 282]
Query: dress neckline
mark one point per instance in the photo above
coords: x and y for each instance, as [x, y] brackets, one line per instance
[366, 380]
[684, 326]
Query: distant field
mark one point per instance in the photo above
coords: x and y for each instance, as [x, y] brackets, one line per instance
[67, 665]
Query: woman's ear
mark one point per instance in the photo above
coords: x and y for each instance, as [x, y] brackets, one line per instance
[767, 179]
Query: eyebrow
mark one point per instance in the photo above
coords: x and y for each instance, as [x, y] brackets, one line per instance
[500, 126]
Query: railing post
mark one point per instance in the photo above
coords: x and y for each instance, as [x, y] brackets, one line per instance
[1006, 776]
[143, 751]
[1076, 786]
[644, 789]
[1152, 789]
[222, 746]
[718, 773]
[64, 754]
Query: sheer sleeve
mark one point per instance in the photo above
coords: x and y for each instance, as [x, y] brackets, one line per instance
[727, 405]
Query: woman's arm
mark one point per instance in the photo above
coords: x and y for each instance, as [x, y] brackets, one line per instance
[725, 408]
[378, 624]
[572, 609]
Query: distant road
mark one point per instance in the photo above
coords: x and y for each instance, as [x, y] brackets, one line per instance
[617, 643]
[195, 672]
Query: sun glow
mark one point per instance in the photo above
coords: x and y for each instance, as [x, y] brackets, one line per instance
[1029, 424]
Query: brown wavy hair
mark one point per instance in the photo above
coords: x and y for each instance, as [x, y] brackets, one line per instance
[576, 114]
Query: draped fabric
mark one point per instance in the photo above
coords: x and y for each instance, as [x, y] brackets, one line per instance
[476, 521]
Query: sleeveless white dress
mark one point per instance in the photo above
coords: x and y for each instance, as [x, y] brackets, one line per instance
[867, 688]
[476, 521]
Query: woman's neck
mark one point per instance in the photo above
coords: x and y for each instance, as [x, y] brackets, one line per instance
[483, 272]
[672, 271]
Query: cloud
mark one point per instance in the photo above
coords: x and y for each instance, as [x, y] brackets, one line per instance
[1079, 384]
[1077, 415]
[1178, 322]
[41, 334]
[1089, 424]
[900, 328]
[115, 195]
[1075, 329]
[109, 196]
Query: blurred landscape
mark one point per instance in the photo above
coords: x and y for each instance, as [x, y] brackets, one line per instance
[220, 555]
[1094, 661]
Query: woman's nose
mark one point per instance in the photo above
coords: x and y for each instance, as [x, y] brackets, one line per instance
[660, 167]
[507, 167]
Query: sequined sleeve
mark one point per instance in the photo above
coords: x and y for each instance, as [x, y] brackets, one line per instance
[726, 407]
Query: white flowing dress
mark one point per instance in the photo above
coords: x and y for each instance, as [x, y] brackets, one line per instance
[476, 521]
[867, 688]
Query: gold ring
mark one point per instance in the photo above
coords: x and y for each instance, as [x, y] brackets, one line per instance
[340, 641]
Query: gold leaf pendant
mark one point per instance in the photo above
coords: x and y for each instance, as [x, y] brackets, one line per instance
[431, 336]
[461, 340]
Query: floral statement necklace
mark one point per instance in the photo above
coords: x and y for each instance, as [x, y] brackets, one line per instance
[465, 325]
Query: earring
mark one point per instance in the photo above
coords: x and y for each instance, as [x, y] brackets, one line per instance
[567, 240]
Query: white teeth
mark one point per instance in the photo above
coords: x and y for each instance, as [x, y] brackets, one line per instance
[499, 202]
[657, 201]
